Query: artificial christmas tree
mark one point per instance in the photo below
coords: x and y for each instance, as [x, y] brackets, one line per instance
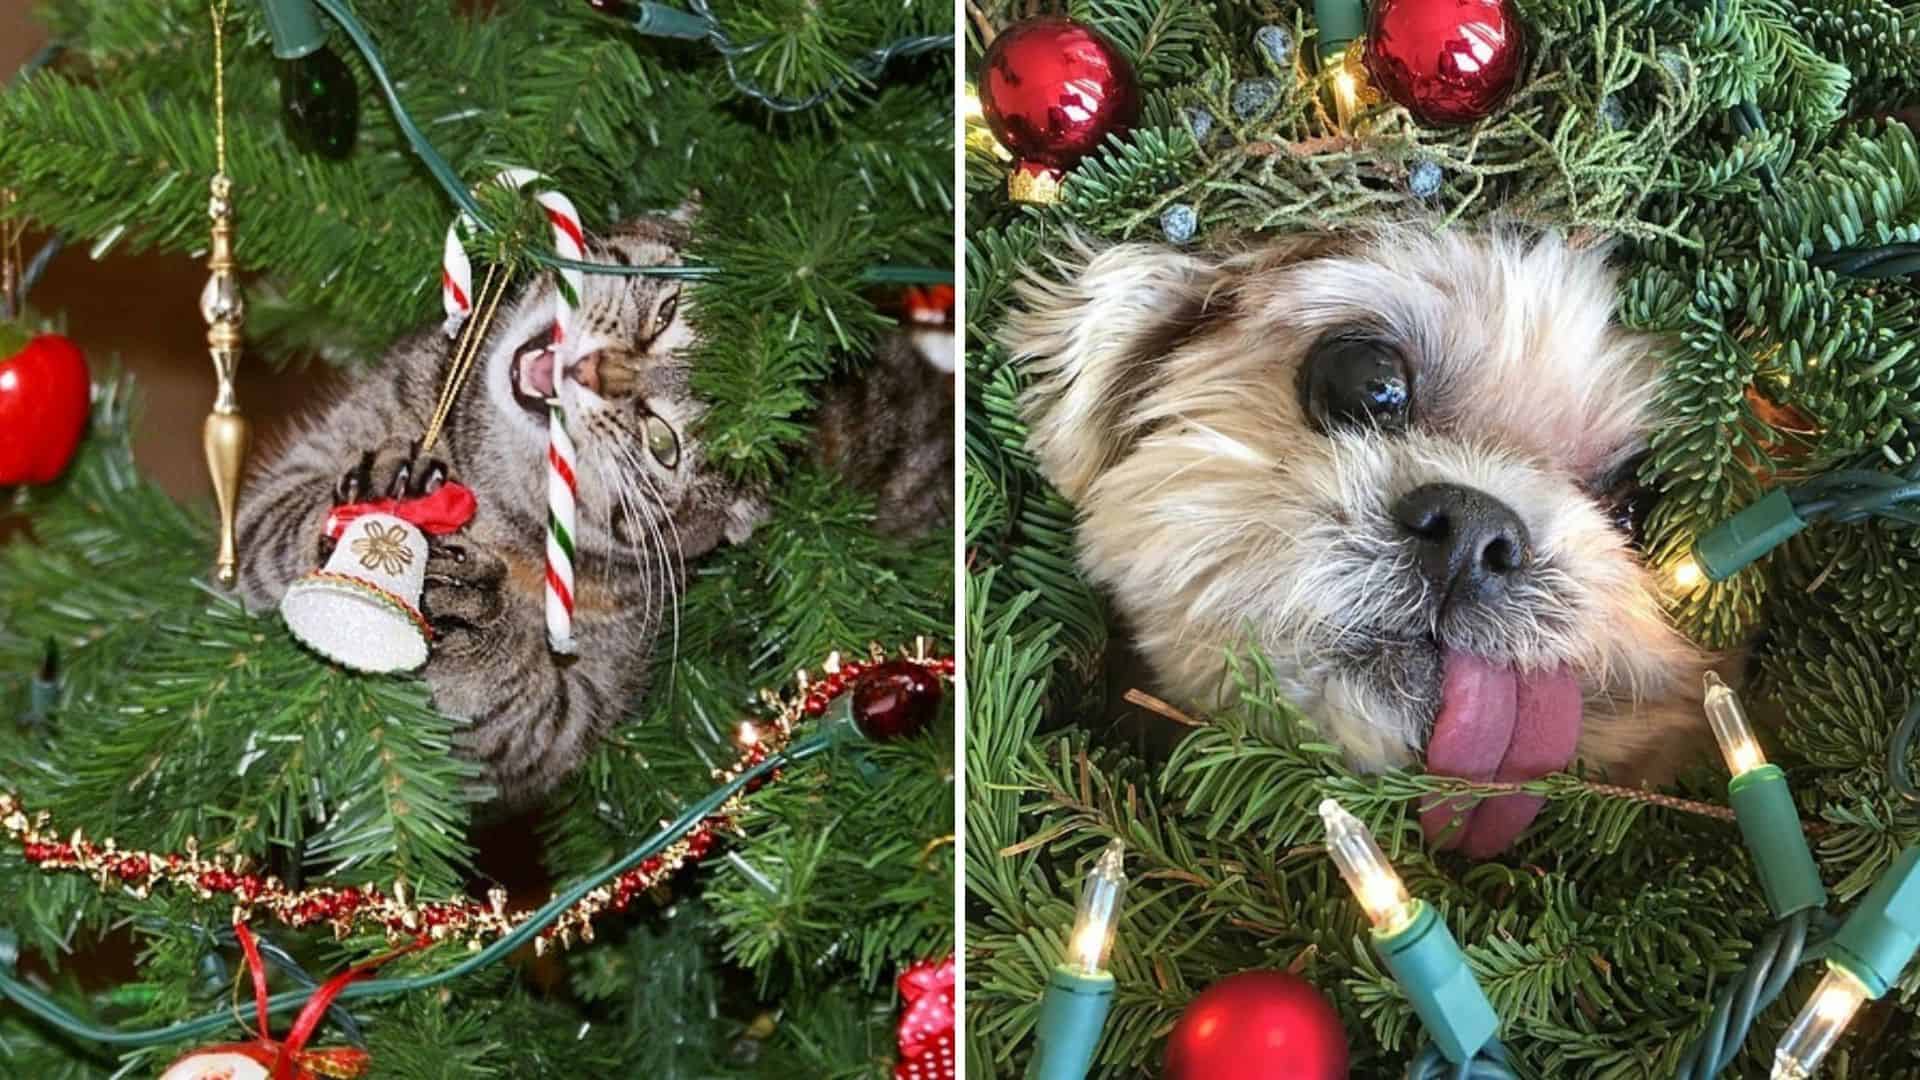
[734, 881]
[1764, 211]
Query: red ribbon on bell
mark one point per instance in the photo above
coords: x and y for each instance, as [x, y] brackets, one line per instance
[926, 1023]
[265, 1058]
[444, 510]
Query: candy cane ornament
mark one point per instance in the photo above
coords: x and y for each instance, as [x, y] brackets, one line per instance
[457, 297]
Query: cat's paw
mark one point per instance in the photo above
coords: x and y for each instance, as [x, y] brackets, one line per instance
[465, 592]
[394, 471]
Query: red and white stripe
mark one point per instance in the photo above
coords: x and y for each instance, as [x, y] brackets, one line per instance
[456, 294]
[456, 270]
[562, 490]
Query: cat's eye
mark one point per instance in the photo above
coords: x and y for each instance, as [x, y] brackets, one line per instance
[1626, 501]
[663, 318]
[662, 443]
[1356, 382]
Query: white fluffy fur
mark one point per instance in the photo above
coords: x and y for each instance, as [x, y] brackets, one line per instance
[1166, 405]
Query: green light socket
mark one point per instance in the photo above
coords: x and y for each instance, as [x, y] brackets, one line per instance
[1877, 941]
[295, 28]
[1433, 971]
[1729, 547]
[664, 20]
[1338, 23]
[1072, 1015]
[1770, 825]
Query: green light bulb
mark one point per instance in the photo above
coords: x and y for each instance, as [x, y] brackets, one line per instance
[320, 104]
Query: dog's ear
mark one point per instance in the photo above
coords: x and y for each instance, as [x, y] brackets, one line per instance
[1095, 343]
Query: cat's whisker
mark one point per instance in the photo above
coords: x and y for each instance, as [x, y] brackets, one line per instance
[670, 563]
[677, 566]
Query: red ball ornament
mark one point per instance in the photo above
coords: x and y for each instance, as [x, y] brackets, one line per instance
[1052, 91]
[894, 700]
[1447, 61]
[45, 397]
[1258, 1025]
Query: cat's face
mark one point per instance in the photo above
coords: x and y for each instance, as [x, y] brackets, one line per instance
[624, 377]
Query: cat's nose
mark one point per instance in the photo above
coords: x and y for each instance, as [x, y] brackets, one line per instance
[586, 371]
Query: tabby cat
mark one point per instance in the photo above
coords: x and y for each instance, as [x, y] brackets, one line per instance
[649, 502]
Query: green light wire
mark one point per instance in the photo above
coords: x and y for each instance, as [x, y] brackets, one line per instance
[53, 1013]
[1489, 1063]
[450, 181]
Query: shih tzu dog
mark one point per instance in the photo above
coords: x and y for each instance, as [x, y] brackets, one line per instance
[1403, 466]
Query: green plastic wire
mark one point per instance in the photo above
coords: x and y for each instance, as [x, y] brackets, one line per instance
[660, 20]
[1775, 958]
[59, 1017]
[1898, 754]
[449, 180]
[1488, 1063]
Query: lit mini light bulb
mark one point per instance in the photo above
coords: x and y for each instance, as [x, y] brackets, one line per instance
[1366, 869]
[1819, 1025]
[1730, 728]
[1093, 924]
[1686, 574]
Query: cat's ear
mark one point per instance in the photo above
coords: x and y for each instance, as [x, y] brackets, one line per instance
[687, 210]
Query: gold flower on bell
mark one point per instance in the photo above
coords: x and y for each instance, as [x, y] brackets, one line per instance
[383, 548]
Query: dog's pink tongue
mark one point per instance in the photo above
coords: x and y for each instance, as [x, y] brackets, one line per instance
[1496, 724]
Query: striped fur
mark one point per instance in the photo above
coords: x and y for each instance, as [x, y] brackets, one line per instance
[534, 716]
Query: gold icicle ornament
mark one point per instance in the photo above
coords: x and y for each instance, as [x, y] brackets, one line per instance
[226, 433]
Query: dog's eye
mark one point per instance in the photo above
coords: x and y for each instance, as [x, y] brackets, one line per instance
[1350, 382]
[662, 443]
[1627, 502]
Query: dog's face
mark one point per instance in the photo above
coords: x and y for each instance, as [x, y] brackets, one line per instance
[1405, 465]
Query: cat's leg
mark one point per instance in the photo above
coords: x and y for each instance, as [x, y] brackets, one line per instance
[284, 507]
[533, 715]
[887, 429]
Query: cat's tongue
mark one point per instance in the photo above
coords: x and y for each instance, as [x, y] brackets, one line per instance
[1496, 724]
[536, 374]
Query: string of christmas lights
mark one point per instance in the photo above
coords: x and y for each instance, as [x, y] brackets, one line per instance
[764, 749]
[401, 917]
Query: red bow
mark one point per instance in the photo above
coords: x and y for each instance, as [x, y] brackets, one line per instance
[446, 509]
[926, 1023]
[289, 1059]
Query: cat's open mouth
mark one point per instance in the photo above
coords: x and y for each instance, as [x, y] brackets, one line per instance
[532, 373]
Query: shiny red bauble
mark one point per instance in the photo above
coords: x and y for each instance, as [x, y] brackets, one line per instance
[45, 399]
[1447, 61]
[895, 700]
[1258, 1025]
[1052, 90]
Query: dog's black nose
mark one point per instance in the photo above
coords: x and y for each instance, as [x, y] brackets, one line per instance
[1469, 543]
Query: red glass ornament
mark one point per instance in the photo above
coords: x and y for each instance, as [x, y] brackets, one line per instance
[45, 397]
[894, 700]
[1052, 91]
[1258, 1025]
[1447, 61]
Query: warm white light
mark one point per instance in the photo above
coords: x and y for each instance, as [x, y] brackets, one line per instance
[1819, 1025]
[970, 105]
[1730, 728]
[749, 735]
[1366, 869]
[1686, 574]
[1099, 912]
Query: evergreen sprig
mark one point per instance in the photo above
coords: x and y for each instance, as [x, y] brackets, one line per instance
[1737, 157]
